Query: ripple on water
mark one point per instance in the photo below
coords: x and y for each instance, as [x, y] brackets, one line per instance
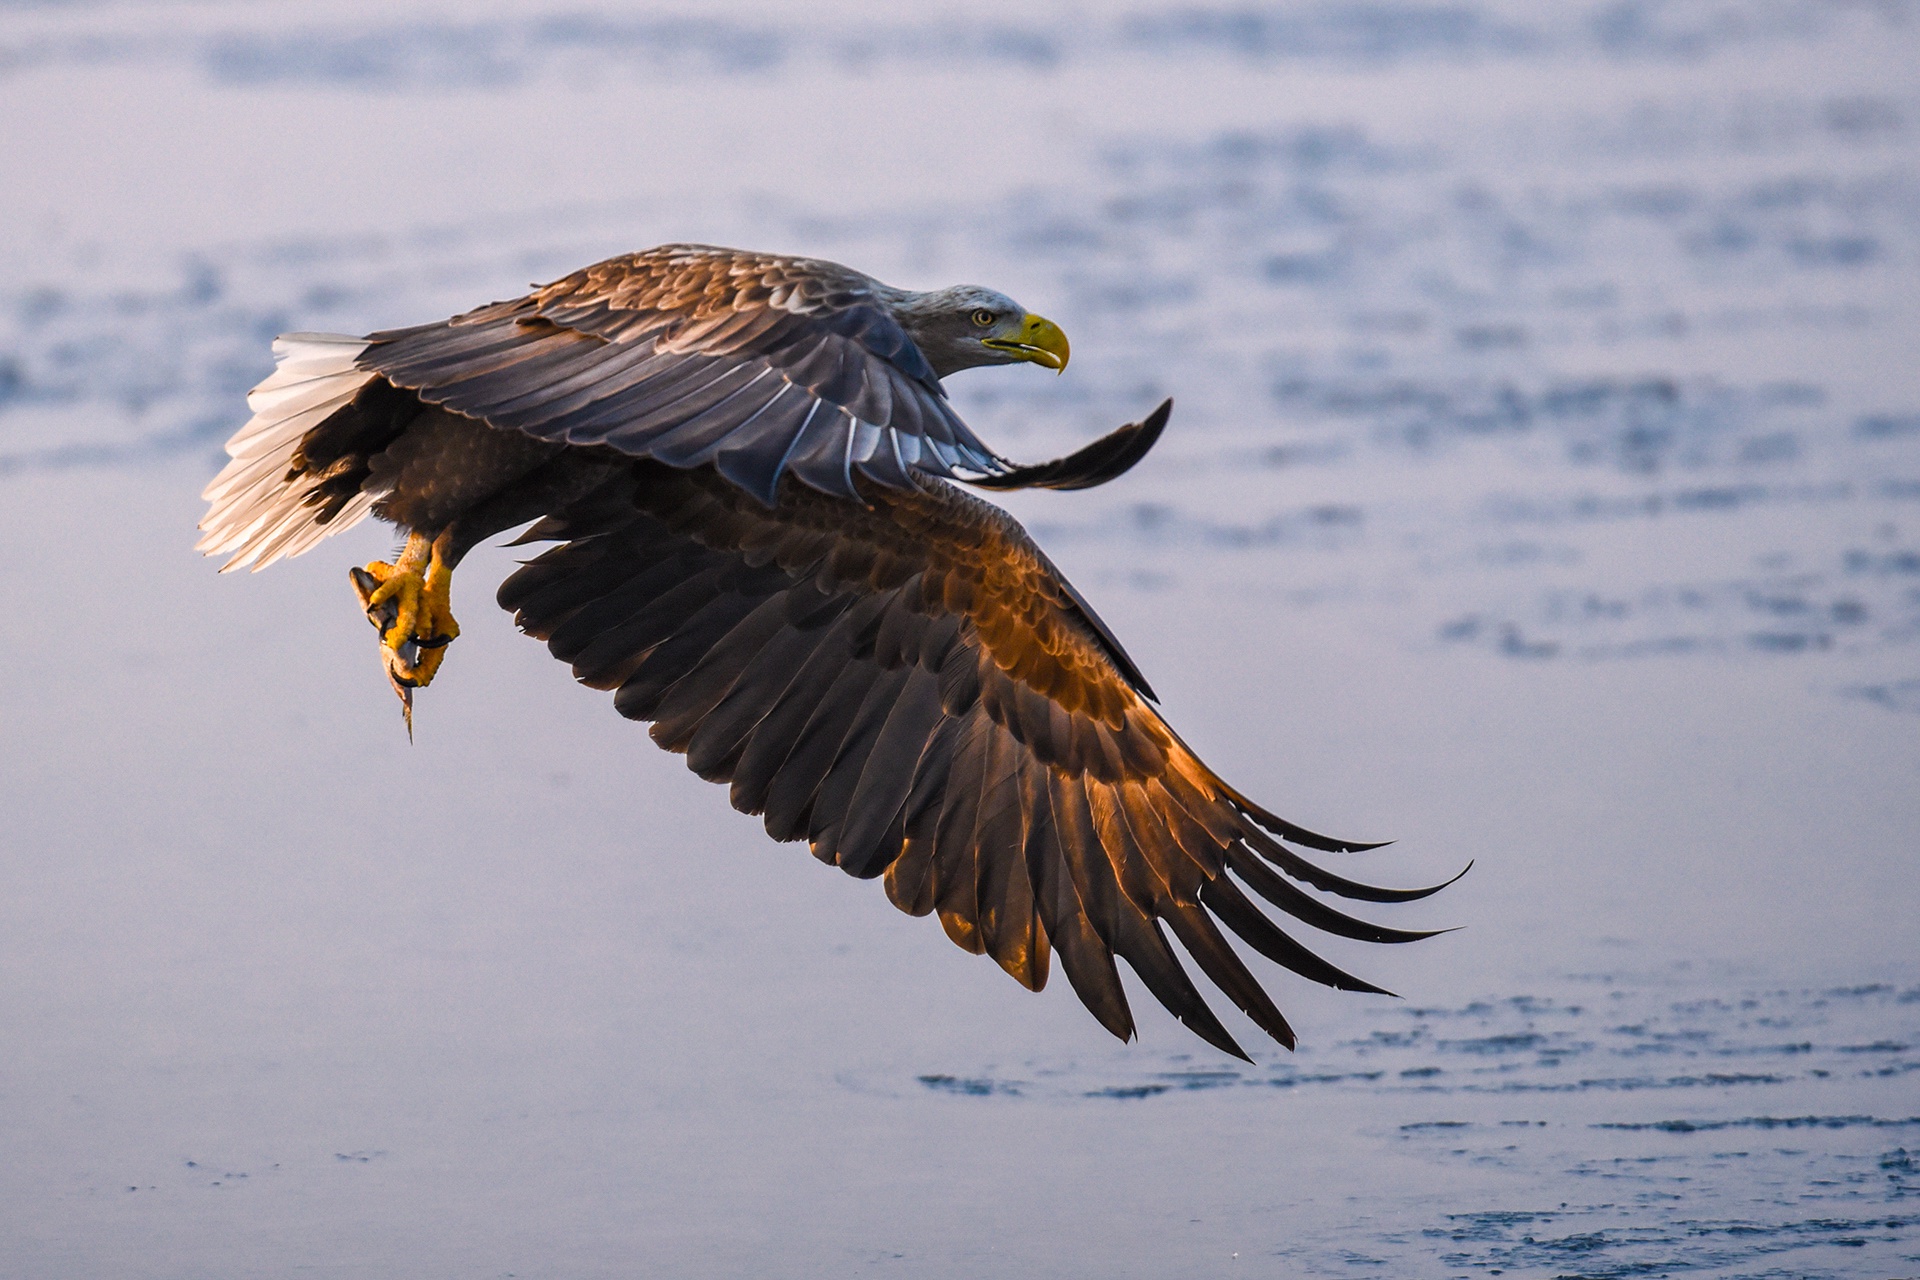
[1782, 1129]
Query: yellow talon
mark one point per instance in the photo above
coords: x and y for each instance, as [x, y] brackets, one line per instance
[410, 603]
[434, 628]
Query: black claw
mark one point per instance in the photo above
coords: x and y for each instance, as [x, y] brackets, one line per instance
[433, 642]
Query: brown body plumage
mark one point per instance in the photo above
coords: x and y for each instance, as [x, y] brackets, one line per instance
[875, 661]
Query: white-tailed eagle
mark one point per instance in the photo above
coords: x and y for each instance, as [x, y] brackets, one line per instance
[747, 462]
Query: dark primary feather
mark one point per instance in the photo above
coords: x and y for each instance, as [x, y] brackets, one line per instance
[907, 684]
[1111, 456]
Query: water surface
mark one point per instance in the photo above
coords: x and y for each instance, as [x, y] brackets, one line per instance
[1544, 490]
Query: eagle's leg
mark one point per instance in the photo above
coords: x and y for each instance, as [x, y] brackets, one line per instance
[410, 603]
[436, 629]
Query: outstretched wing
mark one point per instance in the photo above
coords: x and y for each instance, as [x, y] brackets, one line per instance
[691, 354]
[912, 688]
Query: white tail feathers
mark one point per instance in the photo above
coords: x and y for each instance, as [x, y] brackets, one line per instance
[254, 511]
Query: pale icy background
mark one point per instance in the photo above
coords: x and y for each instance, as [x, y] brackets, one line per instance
[1544, 489]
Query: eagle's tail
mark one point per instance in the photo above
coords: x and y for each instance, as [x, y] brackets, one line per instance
[259, 505]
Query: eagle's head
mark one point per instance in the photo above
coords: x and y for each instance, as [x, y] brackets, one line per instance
[966, 326]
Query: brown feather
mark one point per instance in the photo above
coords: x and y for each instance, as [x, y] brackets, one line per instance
[911, 686]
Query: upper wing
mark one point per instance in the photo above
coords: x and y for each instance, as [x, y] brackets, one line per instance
[690, 354]
[910, 686]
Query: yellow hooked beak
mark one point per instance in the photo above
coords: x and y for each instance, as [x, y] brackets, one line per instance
[1039, 341]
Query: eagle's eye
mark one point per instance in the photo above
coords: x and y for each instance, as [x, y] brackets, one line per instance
[983, 317]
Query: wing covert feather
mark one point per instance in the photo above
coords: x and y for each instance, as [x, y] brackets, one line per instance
[687, 352]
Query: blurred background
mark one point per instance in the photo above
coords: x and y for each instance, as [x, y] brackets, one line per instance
[1543, 490]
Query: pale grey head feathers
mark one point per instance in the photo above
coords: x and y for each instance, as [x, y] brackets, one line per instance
[963, 326]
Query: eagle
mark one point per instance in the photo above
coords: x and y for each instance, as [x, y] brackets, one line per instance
[752, 471]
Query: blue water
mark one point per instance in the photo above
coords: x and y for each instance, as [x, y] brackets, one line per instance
[1543, 490]
[1751, 1133]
